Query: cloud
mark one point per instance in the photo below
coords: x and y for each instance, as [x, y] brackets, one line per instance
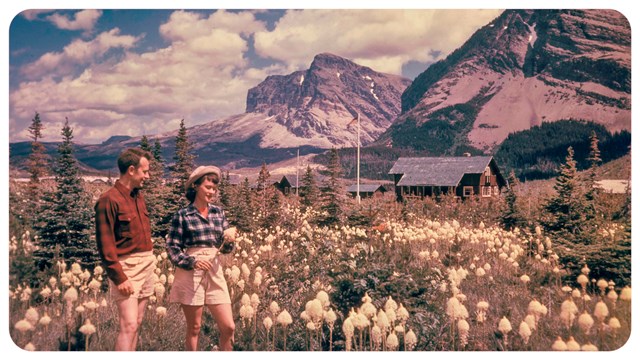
[383, 38]
[200, 76]
[34, 14]
[78, 52]
[83, 20]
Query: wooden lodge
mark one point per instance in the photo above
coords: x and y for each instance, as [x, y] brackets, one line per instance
[463, 176]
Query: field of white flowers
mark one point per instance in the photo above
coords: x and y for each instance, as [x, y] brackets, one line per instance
[417, 284]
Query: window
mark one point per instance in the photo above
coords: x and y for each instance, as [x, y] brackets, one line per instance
[487, 175]
[496, 191]
[467, 191]
[486, 191]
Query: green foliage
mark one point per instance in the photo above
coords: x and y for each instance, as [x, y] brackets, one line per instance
[65, 219]
[537, 152]
[511, 216]
[332, 193]
[37, 161]
[309, 191]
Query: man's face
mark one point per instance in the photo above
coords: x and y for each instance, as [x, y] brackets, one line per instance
[139, 174]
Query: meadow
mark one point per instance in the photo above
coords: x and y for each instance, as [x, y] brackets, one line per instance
[417, 278]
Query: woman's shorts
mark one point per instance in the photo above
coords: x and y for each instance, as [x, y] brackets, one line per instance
[139, 268]
[200, 287]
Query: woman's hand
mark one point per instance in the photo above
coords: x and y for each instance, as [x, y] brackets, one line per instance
[203, 265]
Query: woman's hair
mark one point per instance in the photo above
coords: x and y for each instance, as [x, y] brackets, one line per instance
[191, 192]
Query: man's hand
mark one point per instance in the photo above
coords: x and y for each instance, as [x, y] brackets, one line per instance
[126, 288]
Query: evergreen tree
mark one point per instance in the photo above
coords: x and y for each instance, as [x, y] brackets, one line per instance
[154, 190]
[264, 192]
[333, 194]
[243, 209]
[144, 143]
[591, 192]
[274, 209]
[566, 209]
[66, 218]
[511, 217]
[174, 198]
[36, 163]
[224, 191]
[309, 190]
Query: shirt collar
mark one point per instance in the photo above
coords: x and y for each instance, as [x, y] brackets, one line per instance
[191, 209]
[125, 190]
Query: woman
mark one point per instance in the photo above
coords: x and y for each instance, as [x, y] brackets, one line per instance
[197, 231]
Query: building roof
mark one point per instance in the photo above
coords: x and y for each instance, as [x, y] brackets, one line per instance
[366, 188]
[438, 171]
[613, 186]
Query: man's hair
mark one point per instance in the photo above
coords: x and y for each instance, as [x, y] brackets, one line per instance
[131, 157]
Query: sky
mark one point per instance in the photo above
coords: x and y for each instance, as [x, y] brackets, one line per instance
[139, 72]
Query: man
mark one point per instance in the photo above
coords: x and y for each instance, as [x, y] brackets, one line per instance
[123, 233]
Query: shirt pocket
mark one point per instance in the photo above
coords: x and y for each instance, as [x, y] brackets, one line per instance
[127, 224]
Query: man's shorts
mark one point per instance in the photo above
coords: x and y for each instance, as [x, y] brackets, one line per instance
[139, 268]
[200, 287]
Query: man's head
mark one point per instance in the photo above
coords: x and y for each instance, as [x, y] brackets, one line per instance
[133, 164]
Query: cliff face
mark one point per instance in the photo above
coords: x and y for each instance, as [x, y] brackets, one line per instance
[524, 68]
[318, 103]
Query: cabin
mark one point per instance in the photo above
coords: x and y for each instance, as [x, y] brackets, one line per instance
[463, 177]
[367, 190]
[289, 183]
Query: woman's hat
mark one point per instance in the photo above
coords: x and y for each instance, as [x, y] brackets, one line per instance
[199, 172]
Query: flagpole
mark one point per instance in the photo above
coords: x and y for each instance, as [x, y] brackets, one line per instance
[297, 169]
[358, 166]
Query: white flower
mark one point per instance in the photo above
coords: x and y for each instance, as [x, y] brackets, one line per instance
[87, 328]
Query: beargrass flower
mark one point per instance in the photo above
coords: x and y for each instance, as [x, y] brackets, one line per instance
[23, 326]
[268, 323]
[71, 295]
[88, 328]
[504, 326]
[614, 324]
[524, 331]
[410, 340]
[32, 316]
[601, 311]
[30, 347]
[392, 341]
[559, 345]
[284, 318]
[585, 321]
[589, 347]
[572, 344]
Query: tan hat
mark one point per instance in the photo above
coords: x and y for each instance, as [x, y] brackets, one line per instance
[199, 172]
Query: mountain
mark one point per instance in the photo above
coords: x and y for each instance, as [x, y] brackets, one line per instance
[306, 111]
[524, 68]
[313, 107]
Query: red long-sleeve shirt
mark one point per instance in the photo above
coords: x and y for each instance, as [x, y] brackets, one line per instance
[122, 227]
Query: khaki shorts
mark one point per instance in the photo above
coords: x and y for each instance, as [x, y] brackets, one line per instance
[139, 268]
[200, 287]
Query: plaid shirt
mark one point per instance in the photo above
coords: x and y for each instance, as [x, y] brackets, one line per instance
[122, 227]
[190, 229]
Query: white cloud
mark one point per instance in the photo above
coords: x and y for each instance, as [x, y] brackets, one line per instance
[78, 52]
[34, 14]
[200, 76]
[378, 37]
[82, 20]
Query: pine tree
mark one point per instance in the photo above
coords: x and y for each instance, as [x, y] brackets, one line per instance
[263, 191]
[566, 209]
[154, 190]
[65, 221]
[309, 189]
[224, 191]
[36, 163]
[591, 193]
[511, 217]
[242, 210]
[333, 194]
[174, 199]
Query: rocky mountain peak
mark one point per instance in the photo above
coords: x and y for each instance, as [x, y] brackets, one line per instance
[319, 102]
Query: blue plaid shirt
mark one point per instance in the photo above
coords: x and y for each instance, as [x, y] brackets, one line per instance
[190, 229]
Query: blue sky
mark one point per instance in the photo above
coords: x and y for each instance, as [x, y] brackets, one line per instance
[134, 72]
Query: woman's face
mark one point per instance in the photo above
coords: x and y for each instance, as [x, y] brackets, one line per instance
[206, 191]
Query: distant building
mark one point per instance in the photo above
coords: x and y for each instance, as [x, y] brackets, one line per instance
[463, 177]
[288, 184]
[367, 190]
[611, 186]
